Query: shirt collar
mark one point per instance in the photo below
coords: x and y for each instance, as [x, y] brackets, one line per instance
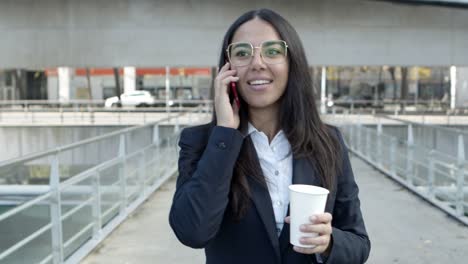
[251, 129]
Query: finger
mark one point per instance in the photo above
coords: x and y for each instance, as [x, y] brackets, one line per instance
[287, 219]
[235, 108]
[321, 218]
[322, 229]
[317, 241]
[304, 250]
[225, 67]
[226, 73]
[229, 79]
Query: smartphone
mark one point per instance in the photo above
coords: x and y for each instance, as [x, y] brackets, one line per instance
[233, 94]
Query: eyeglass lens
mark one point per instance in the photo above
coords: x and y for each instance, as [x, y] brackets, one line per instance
[272, 52]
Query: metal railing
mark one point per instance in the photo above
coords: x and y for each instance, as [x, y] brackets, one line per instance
[445, 139]
[81, 105]
[98, 115]
[439, 178]
[93, 185]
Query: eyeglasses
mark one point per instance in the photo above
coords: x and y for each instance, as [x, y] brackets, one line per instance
[271, 51]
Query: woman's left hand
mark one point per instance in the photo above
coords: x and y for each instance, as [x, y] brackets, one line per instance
[321, 224]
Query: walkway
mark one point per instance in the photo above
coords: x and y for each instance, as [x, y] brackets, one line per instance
[403, 229]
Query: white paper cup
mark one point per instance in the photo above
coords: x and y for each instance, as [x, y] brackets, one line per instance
[305, 201]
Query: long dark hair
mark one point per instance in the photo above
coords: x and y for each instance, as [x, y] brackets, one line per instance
[298, 117]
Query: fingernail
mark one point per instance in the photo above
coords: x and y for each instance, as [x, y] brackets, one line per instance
[302, 227]
[313, 218]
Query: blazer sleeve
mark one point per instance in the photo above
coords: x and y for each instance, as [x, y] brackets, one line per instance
[351, 243]
[203, 184]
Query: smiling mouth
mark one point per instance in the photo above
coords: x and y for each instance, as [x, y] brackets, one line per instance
[259, 82]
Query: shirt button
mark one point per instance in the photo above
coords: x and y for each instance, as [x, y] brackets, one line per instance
[276, 172]
[221, 145]
[279, 203]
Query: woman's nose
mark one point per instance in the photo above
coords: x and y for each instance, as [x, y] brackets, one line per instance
[257, 60]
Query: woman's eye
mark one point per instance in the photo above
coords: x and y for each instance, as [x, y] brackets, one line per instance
[242, 53]
[272, 52]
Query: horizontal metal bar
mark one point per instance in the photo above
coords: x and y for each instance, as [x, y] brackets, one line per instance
[108, 211]
[76, 208]
[46, 259]
[447, 129]
[89, 172]
[444, 189]
[24, 206]
[23, 242]
[78, 234]
[16, 189]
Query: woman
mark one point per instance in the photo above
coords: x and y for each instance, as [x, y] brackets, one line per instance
[232, 191]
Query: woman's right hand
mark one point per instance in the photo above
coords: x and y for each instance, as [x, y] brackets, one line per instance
[227, 114]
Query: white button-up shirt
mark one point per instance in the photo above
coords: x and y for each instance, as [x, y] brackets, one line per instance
[276, 162]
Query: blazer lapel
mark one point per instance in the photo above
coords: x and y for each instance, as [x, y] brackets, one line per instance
[303, 173]
[262, 200]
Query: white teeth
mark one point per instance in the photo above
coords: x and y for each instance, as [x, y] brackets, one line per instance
[259, 82]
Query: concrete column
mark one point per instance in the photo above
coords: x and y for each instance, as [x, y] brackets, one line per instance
[459, 96]
[323, 91]
[129, 79]
[64, 84]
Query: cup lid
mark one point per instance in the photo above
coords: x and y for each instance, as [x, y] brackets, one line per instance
[308, 189]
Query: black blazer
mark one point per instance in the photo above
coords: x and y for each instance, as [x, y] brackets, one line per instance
[201, 218]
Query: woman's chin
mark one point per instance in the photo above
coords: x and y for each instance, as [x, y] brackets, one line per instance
[260, 103]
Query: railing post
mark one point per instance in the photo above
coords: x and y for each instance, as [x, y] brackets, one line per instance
[177, 125]
[156, 143]
[352, 136]
[359, 131]
[91, 115]
[368, 143]
[430, 181]
[379, 142]
[122, 174]
[460, 176]
[56, 211]
[156, 134]
[61, 115]
[393, 143]
[97, 205]
[142, 173]
[409, 156]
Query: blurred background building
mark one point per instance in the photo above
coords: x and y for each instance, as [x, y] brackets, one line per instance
[369, 50]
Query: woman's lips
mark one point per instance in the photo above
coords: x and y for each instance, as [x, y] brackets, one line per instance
[259, 85]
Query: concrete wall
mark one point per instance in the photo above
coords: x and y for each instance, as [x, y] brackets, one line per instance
[149, 32]
[462, 88]
[23, 140]
[19, 141]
